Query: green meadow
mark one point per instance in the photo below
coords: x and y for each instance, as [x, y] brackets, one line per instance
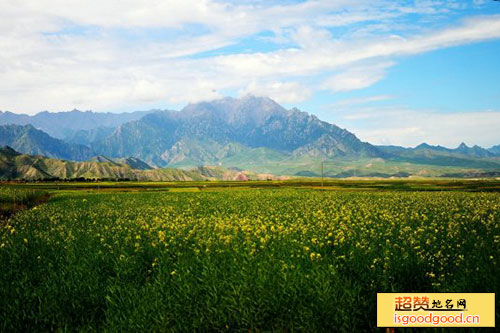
[299, 255]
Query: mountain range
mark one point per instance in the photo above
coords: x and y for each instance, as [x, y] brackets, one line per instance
[249, 133]
[64, 125]
[29, 140]
[17, 166]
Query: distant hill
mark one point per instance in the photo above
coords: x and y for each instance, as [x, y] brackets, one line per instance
[14, 165]
[462, 156]
[27, 139]
[133, 162]
[214, 172]
[425, 149]
[64, 125]
[495, 150]
[208, 132]
[17, 166]
[252, 133]
[86, 137]
[474, 151]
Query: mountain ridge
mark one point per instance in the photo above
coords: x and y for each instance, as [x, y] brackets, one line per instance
[28, 139]
[248, 133]
[17, 166]
[62, 125]
[251, 122]
[14, 165]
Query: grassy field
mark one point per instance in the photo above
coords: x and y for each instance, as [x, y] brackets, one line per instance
[277, 256]
[14, 199]
[422, 184]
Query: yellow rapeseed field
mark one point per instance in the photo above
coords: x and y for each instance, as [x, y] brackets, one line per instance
[284, 259]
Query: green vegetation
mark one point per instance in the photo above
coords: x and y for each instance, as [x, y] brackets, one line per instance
[13, 200]
[469, 185]
[18, 166]
[256, 163]
[238, 258]
[375, 167]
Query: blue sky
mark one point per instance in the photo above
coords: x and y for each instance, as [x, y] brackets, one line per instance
[393, 72]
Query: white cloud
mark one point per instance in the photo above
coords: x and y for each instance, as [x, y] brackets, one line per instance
[329, 54]
[474, 29]
[356, 77]
[400, 126]
[363, 100]
[43, 66]
[282, 92]
[124, 13]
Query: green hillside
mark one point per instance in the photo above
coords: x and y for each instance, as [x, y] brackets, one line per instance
[14, 165]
